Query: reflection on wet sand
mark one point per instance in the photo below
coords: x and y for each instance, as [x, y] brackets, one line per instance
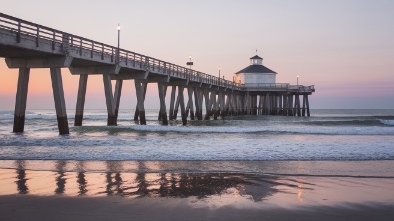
[21, 178]
[60, 179]
[141, 184]
[156, 179]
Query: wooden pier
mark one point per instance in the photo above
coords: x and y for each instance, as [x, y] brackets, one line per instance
[26, 45]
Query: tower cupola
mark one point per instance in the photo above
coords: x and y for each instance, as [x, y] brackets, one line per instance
[256, 60]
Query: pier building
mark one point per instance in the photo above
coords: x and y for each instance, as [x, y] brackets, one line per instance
[255, 73]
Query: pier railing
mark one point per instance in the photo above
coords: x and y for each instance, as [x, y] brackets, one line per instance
[118, 56]
[280, 87]
[126, 58]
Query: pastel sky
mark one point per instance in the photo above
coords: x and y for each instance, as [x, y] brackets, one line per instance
[343, 47]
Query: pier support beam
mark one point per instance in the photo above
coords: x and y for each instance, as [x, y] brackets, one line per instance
[176, 107]
[221, 104]
[259, 112]
[182, 104]
[198, 96]
[268, 101]
[280, 108]
[21, 98]
[140, 89]
[109, 100]
[83, 80]
[214, 105]
[207, 105]
[117, 95]
[60, 104]
[248, 103]
[307, 105]
[162, 97]
[172, 101]
[291, 107]
[285, 103]
[190, 102]
[297, 105]
[227, 104]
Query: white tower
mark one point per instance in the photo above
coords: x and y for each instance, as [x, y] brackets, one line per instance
[255, 73]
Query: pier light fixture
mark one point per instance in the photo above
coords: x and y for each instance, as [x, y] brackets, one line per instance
[219, 75]
[190, 63]
[118, 52]
[297, 81]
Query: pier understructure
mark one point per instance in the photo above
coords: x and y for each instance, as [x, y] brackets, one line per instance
[26, 45]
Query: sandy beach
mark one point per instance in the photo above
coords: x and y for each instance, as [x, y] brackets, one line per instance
[112, 190]
[118, 208]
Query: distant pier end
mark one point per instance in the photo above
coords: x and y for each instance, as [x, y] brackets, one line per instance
[266, 97]
[254, 90]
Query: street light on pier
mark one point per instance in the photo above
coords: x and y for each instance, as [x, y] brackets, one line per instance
[219, 74]
[297, 82]
[190, 63]
[118, 52]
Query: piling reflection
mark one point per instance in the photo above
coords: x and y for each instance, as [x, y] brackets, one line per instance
[145, 184]
[60, 179]
[21, 177]
[81, 178]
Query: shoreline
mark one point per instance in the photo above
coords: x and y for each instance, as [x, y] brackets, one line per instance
[189, 190]
[319, 168]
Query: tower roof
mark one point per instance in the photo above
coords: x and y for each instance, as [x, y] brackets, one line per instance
[256, 57]
[256, 69]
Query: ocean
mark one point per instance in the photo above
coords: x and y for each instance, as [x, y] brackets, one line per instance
[328, 135]
[334, 159]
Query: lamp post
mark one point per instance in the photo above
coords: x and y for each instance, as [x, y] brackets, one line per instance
[297, 82]
[190, 63]
[118, 53]
[219, 75]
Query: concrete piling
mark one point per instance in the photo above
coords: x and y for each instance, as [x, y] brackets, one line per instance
[207, 105]
[190, 102]
[162, 95]
[140, 88]
[117, 95]
[20, 101]
[172, 101]
[109, 99]
[307, 106]
[198, 113]
[83, 80]
[60, 104]
[182, 105]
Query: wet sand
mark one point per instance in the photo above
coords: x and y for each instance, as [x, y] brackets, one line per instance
[115, 190]
[118, 208]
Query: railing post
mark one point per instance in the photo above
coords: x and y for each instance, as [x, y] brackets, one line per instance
[146, 66]
[65, 43]
[91, 52]
[18, 35]
[112, 55]
[53, 40]
[80, 46]
[38, 35]
[102, 51]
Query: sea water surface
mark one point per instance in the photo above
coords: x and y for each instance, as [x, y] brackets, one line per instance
[328, 135]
